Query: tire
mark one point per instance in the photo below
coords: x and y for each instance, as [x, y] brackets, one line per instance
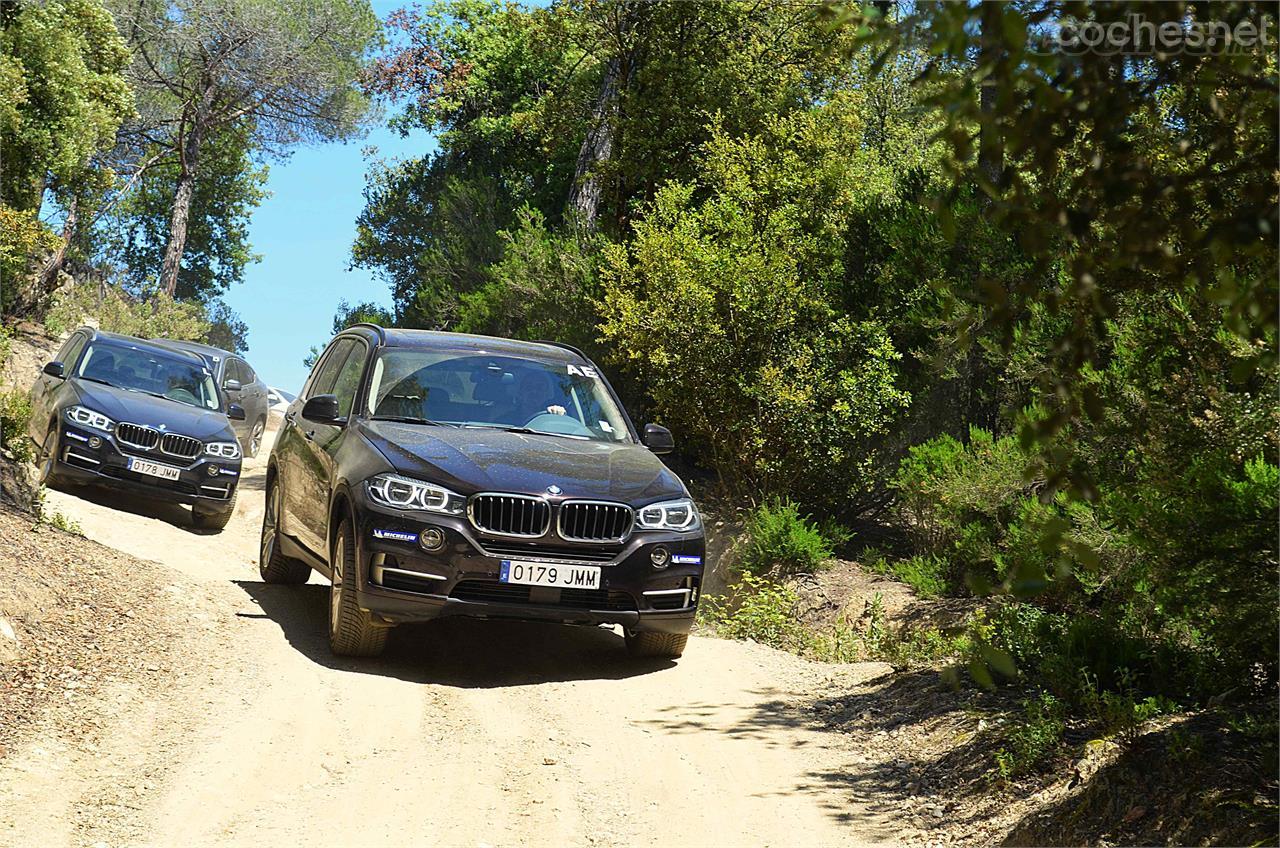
[352, 632]
[648, 644]
[273, 566]
[47, 461]
[206, 518]
[255, 438]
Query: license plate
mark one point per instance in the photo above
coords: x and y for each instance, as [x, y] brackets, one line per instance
[558, 575]
[154, 469]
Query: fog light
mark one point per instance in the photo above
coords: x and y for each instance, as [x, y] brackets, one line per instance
[660, 557]
[212, 471]
[432, 539]
[95, 442]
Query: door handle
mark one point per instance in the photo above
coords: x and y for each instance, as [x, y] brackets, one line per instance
[288, 416]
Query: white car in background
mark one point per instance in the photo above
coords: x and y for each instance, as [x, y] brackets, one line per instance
[278, 401]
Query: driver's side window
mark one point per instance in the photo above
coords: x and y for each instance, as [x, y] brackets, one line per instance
[327, 370]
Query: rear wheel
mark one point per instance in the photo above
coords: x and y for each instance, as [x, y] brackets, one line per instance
[255, 437]
[273, 566]
[211, 516]
[47, 461]
[648, 644]
[352, 632]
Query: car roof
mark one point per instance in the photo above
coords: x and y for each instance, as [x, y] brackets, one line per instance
[196, 347]
[153, 345]
[466, 343]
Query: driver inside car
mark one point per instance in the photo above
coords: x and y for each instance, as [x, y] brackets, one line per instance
[536, 395]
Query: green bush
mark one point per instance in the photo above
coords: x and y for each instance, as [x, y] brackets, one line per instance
[15, 411]
[1033, 740]
[760, 609]
[156, 316]
[783, 541]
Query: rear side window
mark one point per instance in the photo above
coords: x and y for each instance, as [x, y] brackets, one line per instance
[71, 351]
[348, 380]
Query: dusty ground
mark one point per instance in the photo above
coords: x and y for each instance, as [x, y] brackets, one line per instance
[230, 723]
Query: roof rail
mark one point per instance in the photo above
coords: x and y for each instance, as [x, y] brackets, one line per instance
[382, 334]
[563, 346]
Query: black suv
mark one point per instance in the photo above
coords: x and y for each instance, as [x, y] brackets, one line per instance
[123, 412]
[435, 474]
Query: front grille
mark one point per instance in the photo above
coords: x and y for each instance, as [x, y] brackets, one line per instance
[592, 521]
[494, 591]
[510, 515]
[137, 436]
[183, 446]
[519, 550]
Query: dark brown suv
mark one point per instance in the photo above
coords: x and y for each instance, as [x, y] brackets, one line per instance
[434, 474]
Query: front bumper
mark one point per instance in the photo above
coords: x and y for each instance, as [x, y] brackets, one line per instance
[106, 464]
[400, 582]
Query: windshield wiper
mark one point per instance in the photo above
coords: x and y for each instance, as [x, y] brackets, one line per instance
[409, 419]
[506, 428]
[99, 380]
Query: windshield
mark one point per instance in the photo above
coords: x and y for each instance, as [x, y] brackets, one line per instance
[150, 372]
[477, 390]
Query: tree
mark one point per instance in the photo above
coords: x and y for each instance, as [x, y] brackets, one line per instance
[228, 188]
[283, 72]
[62, 98]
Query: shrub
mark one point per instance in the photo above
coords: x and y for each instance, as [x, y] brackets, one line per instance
[783, 541]
[157, 316]
[1032, 742]
[23, 238]
[926, 573]
[760, 609]
[15, 410]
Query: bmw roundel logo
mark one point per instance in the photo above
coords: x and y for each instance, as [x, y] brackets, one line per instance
[553, 489]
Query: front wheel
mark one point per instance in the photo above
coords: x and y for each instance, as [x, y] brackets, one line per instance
[255, 438]
[47, 461]
[207, 517]
[649, 644]
[352, 631]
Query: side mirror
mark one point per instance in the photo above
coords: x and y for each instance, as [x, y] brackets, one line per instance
[231, 385]
[235, 412]
[322, 409]
[55, 369]
[658, 439]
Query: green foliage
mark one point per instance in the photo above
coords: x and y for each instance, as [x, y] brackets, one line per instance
[116, 311]
[229, 186]
[53, 517]
[15, 411]
[761, 609]
[782, 541]
[62, 97]
[23, 239]
[1033, 739]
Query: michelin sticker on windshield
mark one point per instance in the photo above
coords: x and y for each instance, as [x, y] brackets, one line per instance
[583, 371]
[686, 559]
[395, 535]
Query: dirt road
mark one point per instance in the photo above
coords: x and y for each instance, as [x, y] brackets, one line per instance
[464, 734]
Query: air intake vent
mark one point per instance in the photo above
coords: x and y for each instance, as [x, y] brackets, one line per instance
[137, 436]
[183, 446]
[510, 515]
[593, 521]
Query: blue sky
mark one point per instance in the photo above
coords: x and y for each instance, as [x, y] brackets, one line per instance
[303, 232]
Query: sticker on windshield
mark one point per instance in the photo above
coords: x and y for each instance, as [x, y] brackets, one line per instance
[583, 371]
[604, 425]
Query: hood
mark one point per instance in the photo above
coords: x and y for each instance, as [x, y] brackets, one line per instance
[137, 408]
[470, 460]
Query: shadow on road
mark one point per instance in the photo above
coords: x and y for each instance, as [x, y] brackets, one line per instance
[171, 513]
[468, 653]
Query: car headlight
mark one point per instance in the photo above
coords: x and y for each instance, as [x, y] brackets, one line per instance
[669, 515]
[403, 493]
[86, 417]
[224, 450]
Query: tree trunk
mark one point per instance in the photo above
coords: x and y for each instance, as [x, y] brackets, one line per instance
[597, 148]
[184, 190]
[49, 276]
[990, 149]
